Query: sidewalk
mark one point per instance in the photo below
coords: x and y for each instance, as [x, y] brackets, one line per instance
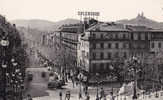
[74, 94]
[92, 92]
[145, 97]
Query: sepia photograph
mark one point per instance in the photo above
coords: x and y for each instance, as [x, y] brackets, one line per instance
[81, 49]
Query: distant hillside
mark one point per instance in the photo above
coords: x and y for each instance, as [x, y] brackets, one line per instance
[142, 20]
[30, 35]
[35, 24]
[43, 25]
[67, 21]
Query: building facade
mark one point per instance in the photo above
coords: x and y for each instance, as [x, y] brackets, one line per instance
[69, 39]
[100, 46]
[106, 44]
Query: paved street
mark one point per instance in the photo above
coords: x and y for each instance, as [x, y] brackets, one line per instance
[38, 85]
[39, 91]
[92, 50]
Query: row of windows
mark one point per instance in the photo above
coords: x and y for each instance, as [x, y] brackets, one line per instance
[102, 67]
[101, 64]
[110, 45]
[159, 45]
[115, 36]
[109, 55]
[138, 36]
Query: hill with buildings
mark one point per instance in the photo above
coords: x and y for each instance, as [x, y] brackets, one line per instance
[48, 26]
[143, 21]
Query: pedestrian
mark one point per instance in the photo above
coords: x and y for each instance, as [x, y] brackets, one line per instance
[111, 96]
[29, 97]
[80, 95]
[73, 81]
[87, 97]
[104, 98]
[85, 89]
[68, 94]
[102, 93]
[60, 95]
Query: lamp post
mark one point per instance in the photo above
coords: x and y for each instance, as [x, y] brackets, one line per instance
[97, 96]
[80, 79]
[135, 78]
[17, 80]
[4, 66]
[4, 43]
[134, 68]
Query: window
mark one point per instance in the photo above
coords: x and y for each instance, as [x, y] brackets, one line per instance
[109, 55]
[135, 36]
[94, 65]
[125, 55]
[107, 65]
[124, 36]
[102, 45]
[116, 36]
[94, 45]
[146, 36]
[101, 66]
[143, 36]
[116, 55]
[111, 36]
[159, 45]
[102, 55]
[94, 36]
[124, 45]
[116, 45]
[152, 45]
[139, 36]
[109, 45]
[87, 55]
[94, 55]
[102, 36]
[132, 36]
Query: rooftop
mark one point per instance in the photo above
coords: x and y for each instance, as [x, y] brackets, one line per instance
[138, 28]
[101, 26]
[73, 28]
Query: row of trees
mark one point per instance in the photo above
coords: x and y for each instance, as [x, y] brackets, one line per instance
[150, 69]
[64, 58]
[12, 53]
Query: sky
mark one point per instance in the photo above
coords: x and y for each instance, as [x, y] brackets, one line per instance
[55, 10]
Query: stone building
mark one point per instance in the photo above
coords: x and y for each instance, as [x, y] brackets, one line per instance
[98, 46]
[107, 44]
[102, 45]
[69, 39]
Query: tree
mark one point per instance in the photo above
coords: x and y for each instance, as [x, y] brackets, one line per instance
[15, 49]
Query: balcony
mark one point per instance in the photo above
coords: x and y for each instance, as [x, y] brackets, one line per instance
[108, 39]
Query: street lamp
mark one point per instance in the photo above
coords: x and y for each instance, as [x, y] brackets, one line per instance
[134, 68]
[97, 97]
[17, 80]
[80, 79]
[4, 43]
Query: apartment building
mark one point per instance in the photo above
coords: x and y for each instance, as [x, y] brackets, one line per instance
[106, 44]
